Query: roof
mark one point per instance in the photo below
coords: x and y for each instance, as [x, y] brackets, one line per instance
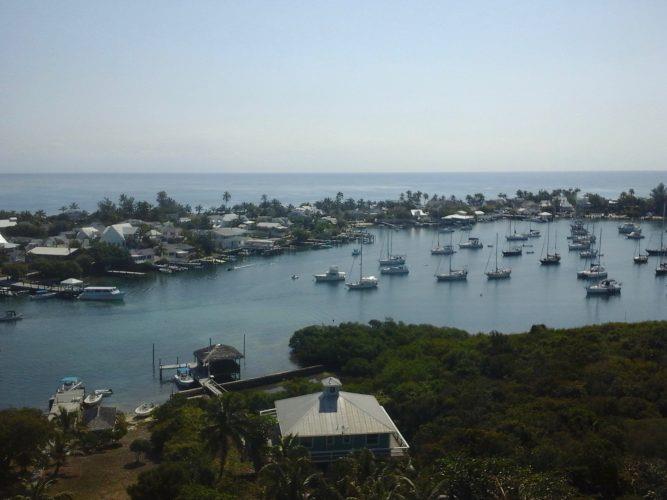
[71, 281]
[8, 222]
[217, 352]
[328, 415]
[53, 251]
[100, 418]
[227, 232]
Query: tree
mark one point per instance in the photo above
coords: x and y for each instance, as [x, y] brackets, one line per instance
[74, 206]
[226, 197]
[290, 475]
[58, 451]
[225, 426]
[140, 446]
[24, 434]
[659, 197]
[199, 209]
[36, 489]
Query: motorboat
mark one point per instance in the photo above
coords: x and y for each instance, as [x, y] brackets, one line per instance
[332, 275]
[661, 270]
[473, 243]
[92, 399]
[144, 409]
[604, 287]
[595, 272]
[101, 293]
[183, 377]
[42, 295]
[513, 252]
[295, 276]
[355, 252]
[400, 269]
[635, 235]
[104, 392]
[10, 317]
[69, 384]
[640, 259]
[628, 228]
[580, 245]
[533, 233]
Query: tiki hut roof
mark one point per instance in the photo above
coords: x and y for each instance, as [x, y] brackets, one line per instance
[217, 352]
[100, 418]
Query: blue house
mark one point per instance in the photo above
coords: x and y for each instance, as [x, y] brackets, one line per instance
[334, 423]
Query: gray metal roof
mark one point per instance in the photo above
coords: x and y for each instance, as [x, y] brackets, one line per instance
[320, 414]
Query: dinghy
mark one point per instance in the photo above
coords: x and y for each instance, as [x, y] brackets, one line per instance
[92, 399]
[144, 409]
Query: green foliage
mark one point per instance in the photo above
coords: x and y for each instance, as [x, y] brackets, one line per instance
[575, 403]
[140, 446]
[57, 269]
[108, 256]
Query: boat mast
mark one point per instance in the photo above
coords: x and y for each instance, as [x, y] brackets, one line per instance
[662, 234]
[496, 252]
[548, 231]
[361, 258]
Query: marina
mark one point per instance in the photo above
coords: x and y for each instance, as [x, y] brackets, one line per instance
[110, 343]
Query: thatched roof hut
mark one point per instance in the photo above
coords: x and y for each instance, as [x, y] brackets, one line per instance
[219, 361]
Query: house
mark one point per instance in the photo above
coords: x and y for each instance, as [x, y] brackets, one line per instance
[332, 423]
[227, 238]
[9, 249]
[271, 228]
[87, 233]
[54, 253]
[330, 220]
[179, 251]
[418, 213]
[219, 361]
[142, 255]
[259, 244]
[11, 222]
[305, 211]
[225, 220]
[119, 234]
[100, 418]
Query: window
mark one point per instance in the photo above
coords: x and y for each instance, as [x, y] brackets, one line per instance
[332, 390]
[330, 441]
[372, 439]
[307, 442]
[347, 439]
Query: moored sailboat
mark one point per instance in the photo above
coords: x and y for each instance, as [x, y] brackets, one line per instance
[498, 273]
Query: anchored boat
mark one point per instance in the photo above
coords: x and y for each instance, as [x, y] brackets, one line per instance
[333, 275]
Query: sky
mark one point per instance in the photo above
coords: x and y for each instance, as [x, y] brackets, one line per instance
[332, 86]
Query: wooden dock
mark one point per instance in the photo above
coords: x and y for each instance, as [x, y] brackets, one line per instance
[128, 274]
[30, 286]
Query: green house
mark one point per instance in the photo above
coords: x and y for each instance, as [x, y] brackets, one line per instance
[334, 423]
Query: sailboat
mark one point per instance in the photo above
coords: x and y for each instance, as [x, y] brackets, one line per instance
[498, 273]
[391, 260]
[514, 236]
[550, 259]
[661, 270]
[640, 258]
[596, 271]
[442, 250]
[364, 282]
[452, 274]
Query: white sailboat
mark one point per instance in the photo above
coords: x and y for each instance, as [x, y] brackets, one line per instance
[661, 270]
[550, 259]
[391, 259]
[596, 271]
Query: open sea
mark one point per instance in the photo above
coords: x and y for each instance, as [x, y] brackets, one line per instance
[109, 345]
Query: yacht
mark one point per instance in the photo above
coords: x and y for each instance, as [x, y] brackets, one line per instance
[604, 287]
[453, 274]
[101, 293]
[595, 272]
[498, 273]
[400, 269]
[364, 282]
[355, 252]
[640, 258]
[332, 275]
[473, 243]
[514, 236]
[513, 252]
[42, 295]
[391, 259]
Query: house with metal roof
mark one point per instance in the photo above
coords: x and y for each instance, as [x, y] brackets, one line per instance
[333, 423]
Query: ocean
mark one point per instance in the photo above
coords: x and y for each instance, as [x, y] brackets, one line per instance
[49, 192]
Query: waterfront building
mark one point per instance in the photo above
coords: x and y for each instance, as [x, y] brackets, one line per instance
[219, 361]
[228, 238]
[332, 423]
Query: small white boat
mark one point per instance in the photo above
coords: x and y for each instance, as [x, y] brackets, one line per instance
[332, 275]
[165, 270]
[295, 276]
[103, 392]
[472, 244]
[10, 317]
[101, 293]
[628, 228]
[640, 259]
[183, 378]
[144, 409]
[92, 399]
[635, 235]
[604, 287]
[42, 295]
[401, 269]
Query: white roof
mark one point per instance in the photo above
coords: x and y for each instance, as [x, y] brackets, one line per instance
[328, 415]
[545, 214]
[8, 222]
[71, 281]
[479, 212]
[458, 217]
[53, 251]
[227, 232]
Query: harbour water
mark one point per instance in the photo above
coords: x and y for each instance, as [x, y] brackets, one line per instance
[109, 345]
[51, 191]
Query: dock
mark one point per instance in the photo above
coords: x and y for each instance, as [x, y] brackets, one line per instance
[128, 274]
[29, 286]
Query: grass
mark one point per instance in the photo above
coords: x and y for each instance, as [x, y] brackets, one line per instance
[104, 475]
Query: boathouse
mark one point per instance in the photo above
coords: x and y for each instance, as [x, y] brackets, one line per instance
[332, 423]
[219, 361]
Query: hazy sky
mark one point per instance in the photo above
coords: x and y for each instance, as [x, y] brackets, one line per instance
[332, 85]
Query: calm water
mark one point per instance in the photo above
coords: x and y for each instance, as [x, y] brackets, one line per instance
[50, 191]
[110, 345]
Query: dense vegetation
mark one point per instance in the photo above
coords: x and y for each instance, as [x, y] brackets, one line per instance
[586, 406]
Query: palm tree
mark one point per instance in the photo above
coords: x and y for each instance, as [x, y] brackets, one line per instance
[40, 215]
[36, 490]
[58, 451]
[199, 209]
[290, 475]
[63, 209]
[74, 206]
[226, 197]
[256, 434]
[225, 426]
[659, 196]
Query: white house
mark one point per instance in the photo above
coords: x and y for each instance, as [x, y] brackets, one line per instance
[119, 234]
[87, 233]
[225, 220]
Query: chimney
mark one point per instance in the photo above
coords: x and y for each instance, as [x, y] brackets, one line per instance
[331, 387]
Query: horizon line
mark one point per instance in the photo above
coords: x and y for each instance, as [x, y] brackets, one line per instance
[329, 172]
